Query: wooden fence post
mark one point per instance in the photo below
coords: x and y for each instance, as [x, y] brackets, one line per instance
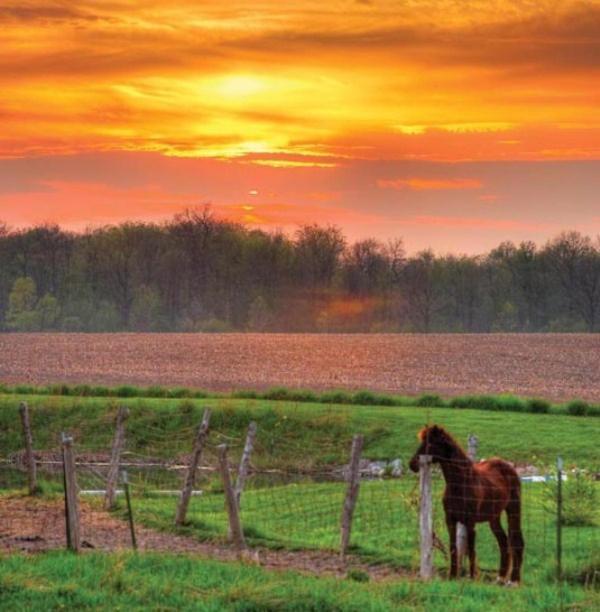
[235, 525]
[115, 458]
[125, 481]
[426, 517]
[71, 495]
[559, 519]
[245, 462]
[28, 438]
[461, 530]
[190, 478]
[353, 480]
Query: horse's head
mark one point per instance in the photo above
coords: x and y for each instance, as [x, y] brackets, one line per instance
[435, 441]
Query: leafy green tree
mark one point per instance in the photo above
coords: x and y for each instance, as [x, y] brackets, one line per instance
[22, 300]
[259, 315]
[48, 312]
[146, 310]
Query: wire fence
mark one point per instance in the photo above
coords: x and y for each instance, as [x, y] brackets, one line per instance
[281, 507]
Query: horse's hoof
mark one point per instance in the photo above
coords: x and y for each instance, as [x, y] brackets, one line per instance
[500, 580]
[512, 584]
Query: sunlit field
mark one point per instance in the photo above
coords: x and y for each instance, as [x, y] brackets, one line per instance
[557, 367]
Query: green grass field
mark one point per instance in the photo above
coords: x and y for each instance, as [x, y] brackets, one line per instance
[164, 427]
[299, 436]
[61, 581]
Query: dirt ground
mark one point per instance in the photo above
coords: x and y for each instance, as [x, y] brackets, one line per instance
[34, 525]
[553, 366]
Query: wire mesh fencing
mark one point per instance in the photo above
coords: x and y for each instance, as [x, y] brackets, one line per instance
[281, 506]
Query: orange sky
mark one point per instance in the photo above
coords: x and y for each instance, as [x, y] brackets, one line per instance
[419, 118]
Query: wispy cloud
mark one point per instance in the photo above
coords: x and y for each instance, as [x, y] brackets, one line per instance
[430, 184]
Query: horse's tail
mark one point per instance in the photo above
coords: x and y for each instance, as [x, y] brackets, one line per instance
[513, 510]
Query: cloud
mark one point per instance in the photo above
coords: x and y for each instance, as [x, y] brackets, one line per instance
[538, 198]
[430, 184]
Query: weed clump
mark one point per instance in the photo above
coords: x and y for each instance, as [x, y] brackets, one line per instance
[538, 406]
[357, 575]
[429, 400]
[127, 391]
[578, 408]
[336, 397]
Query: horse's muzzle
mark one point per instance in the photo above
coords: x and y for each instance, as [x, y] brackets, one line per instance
[414, 463]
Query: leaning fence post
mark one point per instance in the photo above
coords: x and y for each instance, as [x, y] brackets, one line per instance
[28, 438]
[115, 458]
[353, 480]
[426, 517]
[71, 495]
[461, 530]
[559, 508]
[190, 478]
[245, 462]
[235, 525]
[125, 480]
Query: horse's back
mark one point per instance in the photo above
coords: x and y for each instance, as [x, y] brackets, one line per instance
[501, 474]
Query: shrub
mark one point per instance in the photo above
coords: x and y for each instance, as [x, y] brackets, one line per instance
[578, 408]
[364, 398]
[277, 393]
[593, 410]
[580, 502]
[580, 507]
[126, 391]
[429, 400]
[303, 396]
[336, 397]
[155, 391]
[24, 389]
[538, 406]
[460, 401]
[60, 390]
[510, 403]
[82, 390]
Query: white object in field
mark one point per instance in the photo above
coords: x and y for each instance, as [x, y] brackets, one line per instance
[121, 492]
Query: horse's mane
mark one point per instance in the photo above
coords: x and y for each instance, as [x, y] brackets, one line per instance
[444, 435]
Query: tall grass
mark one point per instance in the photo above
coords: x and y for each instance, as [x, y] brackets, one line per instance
[502, 402]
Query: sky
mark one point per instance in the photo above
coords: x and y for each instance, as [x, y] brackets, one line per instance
[454, 124]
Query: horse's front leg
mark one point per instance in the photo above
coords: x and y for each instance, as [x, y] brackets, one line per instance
[451, 524]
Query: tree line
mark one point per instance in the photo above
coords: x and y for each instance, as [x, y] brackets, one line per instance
[199, 273]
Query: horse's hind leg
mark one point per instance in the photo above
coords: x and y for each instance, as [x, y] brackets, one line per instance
[472, 553]
[451, 524]
[515, 537]
[496, 527]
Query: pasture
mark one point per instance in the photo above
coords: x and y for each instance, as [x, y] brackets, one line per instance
[292, 504]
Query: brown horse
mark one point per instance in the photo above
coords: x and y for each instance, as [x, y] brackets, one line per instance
[476, 493]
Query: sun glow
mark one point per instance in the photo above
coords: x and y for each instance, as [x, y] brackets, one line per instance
[239, 86]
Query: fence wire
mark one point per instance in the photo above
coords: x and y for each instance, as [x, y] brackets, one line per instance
[283, 506]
